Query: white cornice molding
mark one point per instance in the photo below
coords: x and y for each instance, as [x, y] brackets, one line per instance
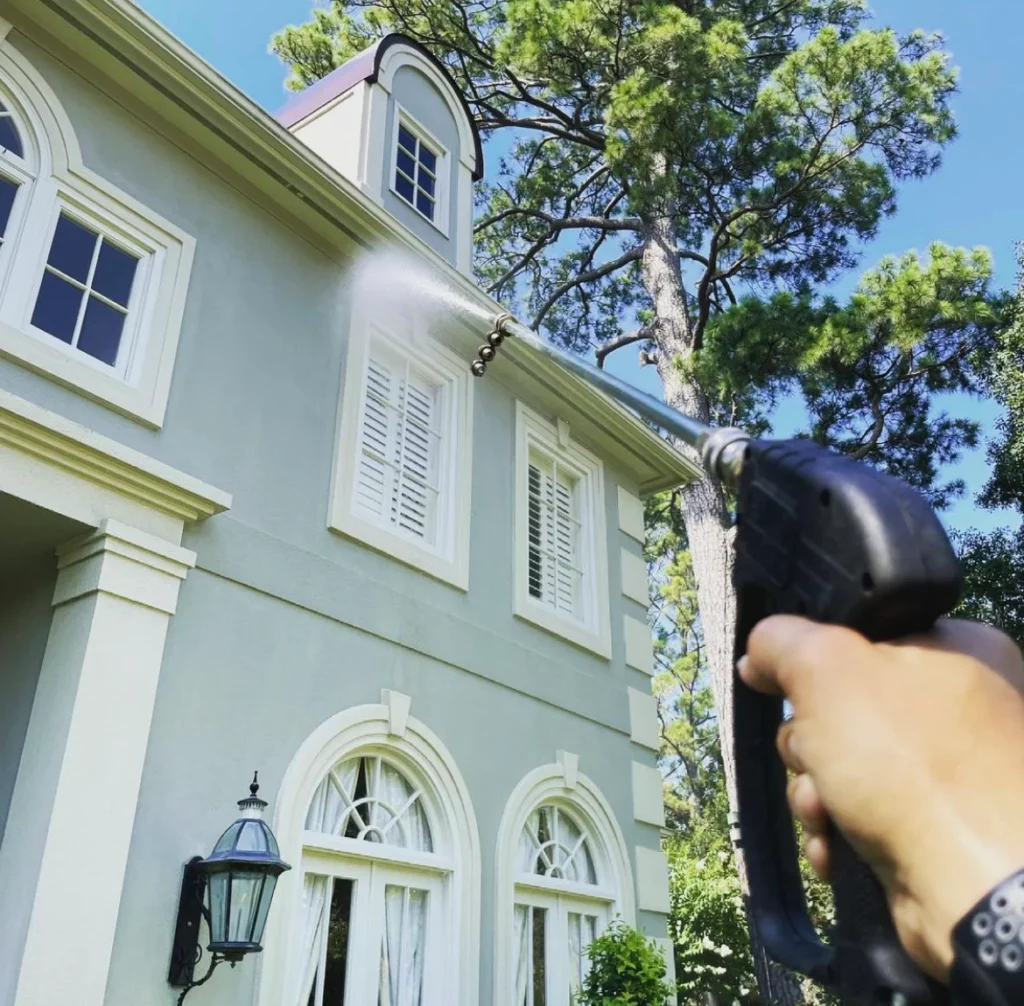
[44, 435]
[254, 146]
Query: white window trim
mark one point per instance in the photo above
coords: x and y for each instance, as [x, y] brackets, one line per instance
[421, 755]
[442, 203]
[139, 388]
[546, 785]
[448, 561]
[593, 631]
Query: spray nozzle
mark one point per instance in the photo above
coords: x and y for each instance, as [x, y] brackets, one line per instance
[487, 352]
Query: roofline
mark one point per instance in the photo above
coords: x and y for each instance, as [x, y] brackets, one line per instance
[262, 154]
[343, 78]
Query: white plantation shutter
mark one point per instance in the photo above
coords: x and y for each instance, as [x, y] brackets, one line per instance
[400, 447]
[553, 569]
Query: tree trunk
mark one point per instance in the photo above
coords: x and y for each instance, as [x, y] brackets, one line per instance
[710, 535]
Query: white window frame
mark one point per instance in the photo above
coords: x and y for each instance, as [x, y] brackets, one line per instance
[442, 212]
[139, 385]
[447, 559]
[591, 630]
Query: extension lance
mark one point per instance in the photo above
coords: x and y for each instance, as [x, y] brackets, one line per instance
[819, 535]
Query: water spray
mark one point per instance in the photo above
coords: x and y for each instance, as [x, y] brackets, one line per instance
[721, 450]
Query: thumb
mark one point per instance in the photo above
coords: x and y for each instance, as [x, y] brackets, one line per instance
[785, 652]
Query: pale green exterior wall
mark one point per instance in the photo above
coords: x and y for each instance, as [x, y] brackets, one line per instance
[283, 623]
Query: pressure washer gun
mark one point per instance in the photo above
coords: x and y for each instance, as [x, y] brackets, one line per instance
[819, 535]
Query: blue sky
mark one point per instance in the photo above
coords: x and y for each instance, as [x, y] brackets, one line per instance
[974, 199]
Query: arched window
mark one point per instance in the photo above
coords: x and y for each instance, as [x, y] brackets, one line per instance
[563, 875]
[384, 907]
[17, 168]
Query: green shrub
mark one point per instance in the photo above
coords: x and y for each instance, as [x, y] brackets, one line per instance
[626, 969]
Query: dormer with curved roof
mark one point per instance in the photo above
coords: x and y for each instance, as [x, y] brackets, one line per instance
[392, 120]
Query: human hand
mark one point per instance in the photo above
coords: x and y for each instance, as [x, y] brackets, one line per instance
[915, 750]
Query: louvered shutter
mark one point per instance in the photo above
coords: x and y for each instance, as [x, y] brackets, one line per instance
[553, 563]
[397, 479]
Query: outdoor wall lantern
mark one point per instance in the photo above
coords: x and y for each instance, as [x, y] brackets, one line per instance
[231, 889]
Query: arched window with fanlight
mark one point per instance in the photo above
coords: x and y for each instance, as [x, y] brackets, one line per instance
[374, 901]
[561, 904]
[563, 874]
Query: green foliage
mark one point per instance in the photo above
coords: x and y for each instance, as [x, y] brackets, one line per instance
[994, 569]
[1006, 485]
[625, 969]
[707, 923]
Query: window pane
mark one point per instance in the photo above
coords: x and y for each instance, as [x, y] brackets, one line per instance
[428, 159]
[115, 272]
[101, 331]
[404, 187]
[406, 163]
[533, 522]
[56, 309]
[8, 190]
[402, 950]
[538, 946]
[72, 249]
[407, 140]
[9, 137]
[336, 959]
[426, 182]
[425, 205]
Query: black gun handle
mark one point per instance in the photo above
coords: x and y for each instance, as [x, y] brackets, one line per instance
[832, 539]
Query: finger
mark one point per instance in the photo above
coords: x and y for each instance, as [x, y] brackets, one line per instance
[975, 639]
[806, 805]
[784, 651]
[816, 851]
[788, 748]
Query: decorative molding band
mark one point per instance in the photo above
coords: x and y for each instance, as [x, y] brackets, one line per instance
[639, 645]
[5, 28]
[634, 578]
[123, 561]
[631, 515]
[643, 719]
[651, 880]
[51, 438]
[648, 799]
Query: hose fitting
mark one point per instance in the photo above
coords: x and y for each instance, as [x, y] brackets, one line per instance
[487, 352]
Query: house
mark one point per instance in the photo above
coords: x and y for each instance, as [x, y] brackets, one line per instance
[257, 516]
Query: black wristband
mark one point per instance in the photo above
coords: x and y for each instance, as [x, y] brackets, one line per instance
[988, 949]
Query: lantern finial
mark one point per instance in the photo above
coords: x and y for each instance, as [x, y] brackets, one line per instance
[252, 805]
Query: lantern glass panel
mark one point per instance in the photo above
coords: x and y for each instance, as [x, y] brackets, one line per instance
[218, 893]
[264, 908]
[245, 900]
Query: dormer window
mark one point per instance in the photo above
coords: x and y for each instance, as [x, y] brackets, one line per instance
[420, 167]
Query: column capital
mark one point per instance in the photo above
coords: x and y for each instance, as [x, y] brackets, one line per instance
[121, 560]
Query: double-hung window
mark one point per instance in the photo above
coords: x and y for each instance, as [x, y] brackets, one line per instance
[403, 463]
[561, 550]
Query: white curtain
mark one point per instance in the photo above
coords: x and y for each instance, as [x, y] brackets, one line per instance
[575, 952]
[392, 797]
[326, 813]
[401, 962]
[523, 950]
[529, 845]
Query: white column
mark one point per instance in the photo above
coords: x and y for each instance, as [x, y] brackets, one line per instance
[65, 849]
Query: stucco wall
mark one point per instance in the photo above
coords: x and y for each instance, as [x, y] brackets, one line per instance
[283, 623]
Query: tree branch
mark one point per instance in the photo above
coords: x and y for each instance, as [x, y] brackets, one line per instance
[585, 277]
[626, 339]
